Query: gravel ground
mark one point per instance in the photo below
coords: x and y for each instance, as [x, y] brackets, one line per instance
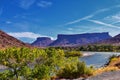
[113, 75]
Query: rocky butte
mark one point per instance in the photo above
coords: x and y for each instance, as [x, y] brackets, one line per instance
[72, 39]
[42, 42]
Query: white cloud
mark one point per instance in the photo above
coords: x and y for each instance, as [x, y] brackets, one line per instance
[24, 35]
[29, 35]
[25, 4]
[44, 4]
[104, 24]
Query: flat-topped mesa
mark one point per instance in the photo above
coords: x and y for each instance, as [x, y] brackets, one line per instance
[42, 42]
[79, 39]
[43, 38]
[86, 35]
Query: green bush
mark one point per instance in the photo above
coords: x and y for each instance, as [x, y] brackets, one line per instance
[73, 53]
[83, 70]
[40, 64]
[111, 58]
[67, 72]
[75, 71]
[41, 72]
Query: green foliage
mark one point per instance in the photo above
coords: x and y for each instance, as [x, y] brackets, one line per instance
[38, 64]
[41, 72]
[73, 53]
[111, 58]
[75, 71]
[100, 48]
[82, 69]
[17, 59]
[68, 72]
[93, 47]
[6, 75]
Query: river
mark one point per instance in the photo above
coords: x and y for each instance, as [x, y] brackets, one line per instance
[97, 59]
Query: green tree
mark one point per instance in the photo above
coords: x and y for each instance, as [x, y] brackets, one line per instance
[18, 60]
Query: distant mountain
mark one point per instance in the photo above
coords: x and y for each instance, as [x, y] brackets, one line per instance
[79, 39]
[42, 42]
[112, 41]
[72, 40]
[9, 41]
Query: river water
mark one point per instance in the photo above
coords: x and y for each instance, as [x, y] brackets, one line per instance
[97, 59]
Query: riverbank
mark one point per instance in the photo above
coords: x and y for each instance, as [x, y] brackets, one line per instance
[110, 72]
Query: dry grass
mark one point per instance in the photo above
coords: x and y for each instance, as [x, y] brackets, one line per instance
[112, 66]
[105, 69]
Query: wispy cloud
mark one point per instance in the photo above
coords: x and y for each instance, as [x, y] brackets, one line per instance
[91, 15]
[24, 35]
[104, 24]
[86, 17]
[114, 18]
[25, 4]
[44, 4]
[29, 35]
[70, 29]
[78, 20]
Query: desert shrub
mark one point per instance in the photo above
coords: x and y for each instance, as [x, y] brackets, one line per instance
[67, 72]
[112, 57]
[75, 71]
[113, 61]
[41, 72]
[39, 64]
[83, 70]
[18, 60]
[73, 53]
[6, 75]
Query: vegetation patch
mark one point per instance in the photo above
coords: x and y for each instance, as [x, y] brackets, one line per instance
[41, 64]
[113, 64]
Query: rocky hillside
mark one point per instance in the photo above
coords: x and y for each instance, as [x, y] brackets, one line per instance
[112, 41]
[42, 42]
[9, 41]
[72, 40]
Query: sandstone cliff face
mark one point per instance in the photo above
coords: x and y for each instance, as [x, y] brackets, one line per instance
[112, 41]
[9, 41]
[42, 42]
[71, 40]
[79, 39]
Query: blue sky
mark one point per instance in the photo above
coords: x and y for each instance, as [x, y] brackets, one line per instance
[29, 19]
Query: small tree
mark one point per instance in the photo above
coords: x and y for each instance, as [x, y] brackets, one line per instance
[17, 60]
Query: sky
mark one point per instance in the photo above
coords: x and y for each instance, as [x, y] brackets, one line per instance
[29, 19]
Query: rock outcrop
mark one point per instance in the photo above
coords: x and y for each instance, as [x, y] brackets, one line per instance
[71, 40]
[79, 39]
[42, 42]
[112, 41]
